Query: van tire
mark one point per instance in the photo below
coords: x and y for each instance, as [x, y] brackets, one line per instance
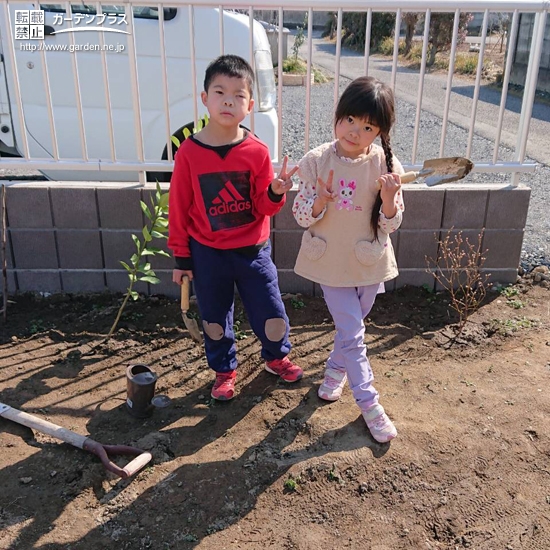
[166, 176]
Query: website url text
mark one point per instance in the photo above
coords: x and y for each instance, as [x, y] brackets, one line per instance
[71, 48]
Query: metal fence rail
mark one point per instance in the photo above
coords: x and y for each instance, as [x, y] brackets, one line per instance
[48, 154]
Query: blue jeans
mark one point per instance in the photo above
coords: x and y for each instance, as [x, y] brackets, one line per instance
[215, 275]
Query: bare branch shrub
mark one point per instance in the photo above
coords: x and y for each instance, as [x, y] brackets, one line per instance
[458, 269]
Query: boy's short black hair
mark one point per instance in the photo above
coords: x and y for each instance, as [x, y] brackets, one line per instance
[229, 65]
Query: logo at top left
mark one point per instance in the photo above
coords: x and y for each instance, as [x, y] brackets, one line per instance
[29, 24]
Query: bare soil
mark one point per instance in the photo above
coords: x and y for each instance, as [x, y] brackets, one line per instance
[276, 467]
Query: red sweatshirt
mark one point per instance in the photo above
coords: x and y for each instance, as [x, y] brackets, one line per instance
[220, 196]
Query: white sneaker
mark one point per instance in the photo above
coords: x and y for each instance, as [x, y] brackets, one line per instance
[333, 384]
[380, 426]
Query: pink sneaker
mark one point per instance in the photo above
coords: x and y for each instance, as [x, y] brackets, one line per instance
[224, 386]
[333, 384]
[284, 368]
[380, 426]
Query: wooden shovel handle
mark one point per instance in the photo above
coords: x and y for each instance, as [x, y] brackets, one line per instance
[137, 464]
[103, 452]
[81, 441]
[407, 177]
[185, 293]
[44, 426]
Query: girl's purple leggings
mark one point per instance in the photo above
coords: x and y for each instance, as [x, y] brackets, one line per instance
[348, 307]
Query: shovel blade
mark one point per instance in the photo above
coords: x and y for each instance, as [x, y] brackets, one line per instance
[439, 179]
[446, 170]
[190, 324]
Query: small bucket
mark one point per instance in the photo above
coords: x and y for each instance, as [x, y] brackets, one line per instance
[140, 390]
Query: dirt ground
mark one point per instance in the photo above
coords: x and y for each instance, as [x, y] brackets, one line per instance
[276, 467]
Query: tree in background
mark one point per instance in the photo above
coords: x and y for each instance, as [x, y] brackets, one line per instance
[410, 20]
[354, 26]
[383, 26]
[441, 32]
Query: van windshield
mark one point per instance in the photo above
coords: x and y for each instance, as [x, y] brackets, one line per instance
[142, 12]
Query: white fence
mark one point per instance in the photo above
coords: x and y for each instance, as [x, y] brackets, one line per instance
[118, 103]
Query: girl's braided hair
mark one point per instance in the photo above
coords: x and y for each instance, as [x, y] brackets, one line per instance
[370, 99]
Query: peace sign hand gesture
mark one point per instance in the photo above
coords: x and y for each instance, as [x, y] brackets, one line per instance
[325, 193]
[283, 182]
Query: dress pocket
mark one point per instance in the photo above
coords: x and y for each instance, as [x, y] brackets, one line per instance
[368, 253]
[313, 247]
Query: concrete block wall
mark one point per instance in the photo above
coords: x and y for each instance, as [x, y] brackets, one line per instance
[71, 237]
[499, 210]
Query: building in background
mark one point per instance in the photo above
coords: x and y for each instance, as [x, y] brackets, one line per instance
[522, 50]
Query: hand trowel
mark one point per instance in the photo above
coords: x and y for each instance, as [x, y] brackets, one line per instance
[439, 171]
[190, 324]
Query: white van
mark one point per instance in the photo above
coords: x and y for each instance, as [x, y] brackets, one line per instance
[60, 71]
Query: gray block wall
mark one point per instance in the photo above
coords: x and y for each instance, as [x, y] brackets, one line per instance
[71, 237]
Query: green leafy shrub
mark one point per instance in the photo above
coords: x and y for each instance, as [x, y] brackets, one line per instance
[386, 46]
[415, 53]
[466, 63]
[299, 66]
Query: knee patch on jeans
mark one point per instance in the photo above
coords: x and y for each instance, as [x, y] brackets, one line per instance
[275, 329]
[213, 330]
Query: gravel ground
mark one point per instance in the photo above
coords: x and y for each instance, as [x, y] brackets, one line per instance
[536, 249]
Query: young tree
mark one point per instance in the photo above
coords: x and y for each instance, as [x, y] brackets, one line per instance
[501, 23]
[441, 32]
[299, 39]
[139, 269]
[458, 268]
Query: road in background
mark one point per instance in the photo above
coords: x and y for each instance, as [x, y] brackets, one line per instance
[435, 85]
[536, 246]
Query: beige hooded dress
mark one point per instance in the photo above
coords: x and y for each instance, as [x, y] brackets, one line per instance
[338, 248]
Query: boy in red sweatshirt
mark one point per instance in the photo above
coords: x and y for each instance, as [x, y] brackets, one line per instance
[222, 194]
